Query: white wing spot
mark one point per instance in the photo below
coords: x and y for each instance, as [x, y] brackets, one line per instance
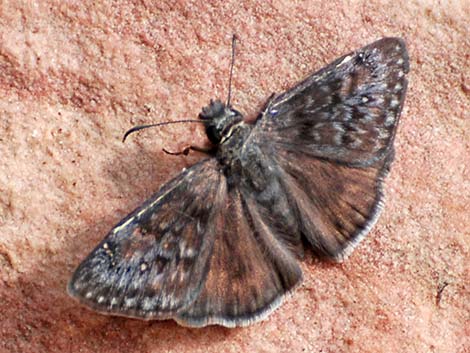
[346, 116]
[129, 302]
[338, 139]
[173, 276]
[338, 126]
[356, 143]
[105, 246]
[382, 86]
[187, 252]
[100, 299]
[164, 301]
[365, 99]
[398, 87]
[199, 227]
[383, 134]
[316, 136]
[400, 61]
[148, 303]
[143, 267]
[400, 73]
[390, 119]
[114, 301]
[89, 295]
[394, 103]
[181, 277]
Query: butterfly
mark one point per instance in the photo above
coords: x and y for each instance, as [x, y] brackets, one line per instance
[220, 244]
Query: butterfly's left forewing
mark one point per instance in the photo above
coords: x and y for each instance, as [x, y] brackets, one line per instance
[156, 260]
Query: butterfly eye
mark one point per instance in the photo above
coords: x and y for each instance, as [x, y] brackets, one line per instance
[213, 110]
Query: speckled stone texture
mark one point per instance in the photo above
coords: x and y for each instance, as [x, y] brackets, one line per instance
[75, 75]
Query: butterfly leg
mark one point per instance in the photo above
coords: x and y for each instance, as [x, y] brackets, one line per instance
[186, 150]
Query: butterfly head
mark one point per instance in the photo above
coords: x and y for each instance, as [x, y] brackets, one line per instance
[218, 118]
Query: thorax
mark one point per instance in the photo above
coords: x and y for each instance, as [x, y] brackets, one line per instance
[231, 148]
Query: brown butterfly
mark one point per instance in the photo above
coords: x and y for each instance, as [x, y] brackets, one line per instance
[220, 243]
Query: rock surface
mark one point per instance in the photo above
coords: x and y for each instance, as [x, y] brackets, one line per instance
[75, 75]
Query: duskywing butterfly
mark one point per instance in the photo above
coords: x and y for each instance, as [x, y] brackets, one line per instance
[220, 243]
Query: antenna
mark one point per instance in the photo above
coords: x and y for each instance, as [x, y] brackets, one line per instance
[234, 38]
[141, 127]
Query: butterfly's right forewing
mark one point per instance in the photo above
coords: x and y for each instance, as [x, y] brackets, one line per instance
[348, 111]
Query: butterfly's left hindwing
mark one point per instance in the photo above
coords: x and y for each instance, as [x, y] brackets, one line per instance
[156, 260]
[250, 271]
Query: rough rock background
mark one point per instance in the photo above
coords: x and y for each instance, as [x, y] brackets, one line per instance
[75, 75]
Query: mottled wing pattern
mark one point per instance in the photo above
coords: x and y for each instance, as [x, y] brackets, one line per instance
[348, 111]
[332, 136]
[156, 260]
